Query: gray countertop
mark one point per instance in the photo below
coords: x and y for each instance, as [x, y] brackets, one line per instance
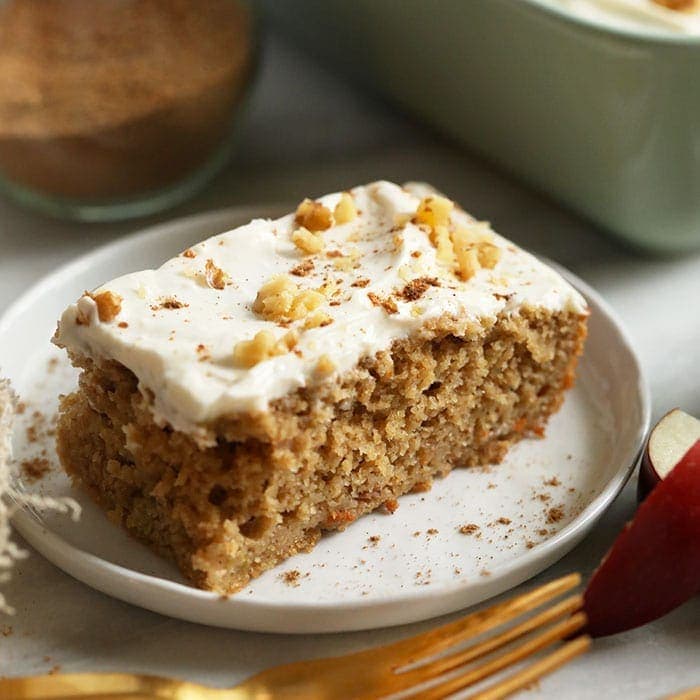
[309, 133]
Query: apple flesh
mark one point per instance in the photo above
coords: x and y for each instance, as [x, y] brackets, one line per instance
[654, 564]
[669, 440]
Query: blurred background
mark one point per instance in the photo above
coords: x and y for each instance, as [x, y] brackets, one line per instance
[115, 110]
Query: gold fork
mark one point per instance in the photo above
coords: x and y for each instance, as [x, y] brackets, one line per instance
[406, 665]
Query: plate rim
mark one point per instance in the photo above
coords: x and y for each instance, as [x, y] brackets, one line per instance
[59, 551]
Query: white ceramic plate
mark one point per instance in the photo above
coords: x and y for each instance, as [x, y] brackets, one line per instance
[384, 569]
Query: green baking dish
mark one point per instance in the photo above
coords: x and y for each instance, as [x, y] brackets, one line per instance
[606, 120]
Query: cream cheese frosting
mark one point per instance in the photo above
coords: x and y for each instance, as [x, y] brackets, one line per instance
[636, 14]
[176, 327]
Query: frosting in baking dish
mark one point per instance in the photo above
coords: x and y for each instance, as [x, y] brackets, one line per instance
[680, 17]
[187, 329]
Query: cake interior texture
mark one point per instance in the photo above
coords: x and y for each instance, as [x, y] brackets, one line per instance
[452, 394]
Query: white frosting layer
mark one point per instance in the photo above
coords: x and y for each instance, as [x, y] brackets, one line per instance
[185, 355]
[635, 14]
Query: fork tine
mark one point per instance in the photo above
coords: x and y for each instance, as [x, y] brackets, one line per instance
[488, 668]
[540, 668]
[407, 651]
[444, 664]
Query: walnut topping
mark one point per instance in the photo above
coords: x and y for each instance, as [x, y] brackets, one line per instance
[318, 319]
[345, 210]
[434, 211]
[325, 365]
[313, 216]
[417, 287]
[282, 300]
[189, 253]
[440, 238]
[464, 249]
[467, 257]
[214, 276]
[489, 255]
[109, 305]
[361, 283]
[303, 268]
[307, 241]
[474, 250]
[263, 346]
[387, 303]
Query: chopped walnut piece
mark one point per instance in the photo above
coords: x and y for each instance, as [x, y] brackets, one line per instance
[109, 305]
[313, 216]
[325, 365]
[489, 255]
[345, 210]
[308, 242]
[387, 303]
[263, 346]
[317, 319]
[434, 211]
[214, 276]
[473, 251]
[442, 241]
[282, 300]
[189, 253]
[302, 269]
[467, 261]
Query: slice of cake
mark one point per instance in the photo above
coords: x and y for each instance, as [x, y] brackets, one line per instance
[288, 376]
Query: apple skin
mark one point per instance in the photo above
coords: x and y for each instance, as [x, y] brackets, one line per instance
[649, 475]
[654, 564]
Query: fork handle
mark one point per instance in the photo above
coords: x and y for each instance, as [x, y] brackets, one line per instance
[79, 685]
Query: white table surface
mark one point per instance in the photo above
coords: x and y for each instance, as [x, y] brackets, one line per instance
[308, 133]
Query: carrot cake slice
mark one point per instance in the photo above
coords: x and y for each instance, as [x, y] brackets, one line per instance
[286, 377]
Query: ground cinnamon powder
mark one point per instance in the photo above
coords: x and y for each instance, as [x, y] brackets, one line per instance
[103, 99]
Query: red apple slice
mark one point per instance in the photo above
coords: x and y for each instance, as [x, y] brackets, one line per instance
[669, 440]
[654, 564]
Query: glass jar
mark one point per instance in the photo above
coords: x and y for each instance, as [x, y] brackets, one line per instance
[117, 108]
